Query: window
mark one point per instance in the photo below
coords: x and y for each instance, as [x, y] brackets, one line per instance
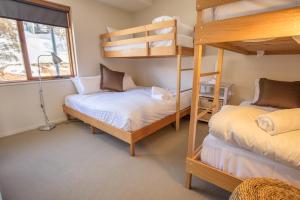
[42, 40]
[11, 58]
[22, 43]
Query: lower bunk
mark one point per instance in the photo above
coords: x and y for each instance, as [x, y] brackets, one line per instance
[129, 116]
[237, 149]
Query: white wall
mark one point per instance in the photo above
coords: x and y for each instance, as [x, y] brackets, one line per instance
[19, 108]
[238, 69]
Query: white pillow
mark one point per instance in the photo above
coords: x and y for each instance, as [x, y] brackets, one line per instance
[113, 39]
[128, 83]
[87, 85]
[162, 19]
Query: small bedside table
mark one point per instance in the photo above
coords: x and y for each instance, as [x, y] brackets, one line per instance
[207, 94]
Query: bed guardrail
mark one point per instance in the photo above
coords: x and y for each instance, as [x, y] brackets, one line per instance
[143, 34]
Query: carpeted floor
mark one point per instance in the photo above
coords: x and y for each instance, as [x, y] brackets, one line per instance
[71, 163]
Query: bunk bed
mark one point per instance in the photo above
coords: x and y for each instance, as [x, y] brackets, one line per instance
[272, 32]
[145, 42]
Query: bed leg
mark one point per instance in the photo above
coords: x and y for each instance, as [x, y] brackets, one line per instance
[188, 180]
[132, 149]
[177, 123]
[94, 130]
[69, 117]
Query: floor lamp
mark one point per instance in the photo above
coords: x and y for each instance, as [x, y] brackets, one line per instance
[48, 125]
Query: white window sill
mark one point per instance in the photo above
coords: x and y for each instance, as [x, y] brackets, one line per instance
[34, 82]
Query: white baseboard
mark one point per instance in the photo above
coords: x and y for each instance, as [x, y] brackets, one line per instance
[29, 128]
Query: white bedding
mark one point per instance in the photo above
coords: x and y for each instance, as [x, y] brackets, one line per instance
[130, 110]
[182, 40]
[247, 7]
[243, 163]
[236, 125]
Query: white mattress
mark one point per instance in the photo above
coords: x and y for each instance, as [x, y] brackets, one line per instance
[247, 7]
[130, 110]
[182, 40]
[243, 163]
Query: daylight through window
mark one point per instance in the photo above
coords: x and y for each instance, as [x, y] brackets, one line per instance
[21, 43]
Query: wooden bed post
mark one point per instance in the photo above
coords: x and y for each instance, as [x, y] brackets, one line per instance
[178, 89]
[132, 149]
[216, 101]
[94, 130]
[198, 52]
[194, 108]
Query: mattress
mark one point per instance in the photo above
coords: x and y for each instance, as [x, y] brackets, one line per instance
[247, 7]
[182, 40]
[129, 111]
[245, 164]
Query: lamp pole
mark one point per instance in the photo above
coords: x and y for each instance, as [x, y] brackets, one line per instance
[48, 125]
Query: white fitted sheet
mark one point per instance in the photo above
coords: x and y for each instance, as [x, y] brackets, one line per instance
[182, 40]
[130, 110]
[243, 163]
[247, 7]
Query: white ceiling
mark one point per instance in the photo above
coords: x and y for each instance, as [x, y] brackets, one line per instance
[128, 5]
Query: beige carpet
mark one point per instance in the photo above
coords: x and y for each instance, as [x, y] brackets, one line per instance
[71, 163]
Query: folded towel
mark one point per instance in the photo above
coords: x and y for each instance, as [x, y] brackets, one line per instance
[161, 94]
[280, 121]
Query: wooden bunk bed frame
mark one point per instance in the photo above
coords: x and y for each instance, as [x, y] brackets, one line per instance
[129, 137]
[174, 50]
[143, 34]
[284, 25]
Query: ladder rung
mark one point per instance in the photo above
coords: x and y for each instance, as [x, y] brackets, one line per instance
[185, 90]
[201, 114]
[187, 69]
[208, 74]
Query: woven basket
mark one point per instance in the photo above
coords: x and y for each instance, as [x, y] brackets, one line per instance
[265, 189]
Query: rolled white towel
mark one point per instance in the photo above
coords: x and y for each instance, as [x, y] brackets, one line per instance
[161, 94]
[280, 121]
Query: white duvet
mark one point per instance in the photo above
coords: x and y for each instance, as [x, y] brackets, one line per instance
[237, 125]
[130, 110]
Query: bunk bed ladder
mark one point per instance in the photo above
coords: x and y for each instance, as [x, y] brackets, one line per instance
[195, 114]
[180, 70]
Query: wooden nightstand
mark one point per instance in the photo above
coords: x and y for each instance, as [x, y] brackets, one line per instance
[206, 97]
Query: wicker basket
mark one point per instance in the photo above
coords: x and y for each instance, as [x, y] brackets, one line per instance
[265, 189]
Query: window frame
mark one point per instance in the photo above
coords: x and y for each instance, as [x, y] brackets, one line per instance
[24, 49]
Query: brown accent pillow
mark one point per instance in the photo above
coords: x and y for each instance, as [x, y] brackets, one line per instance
[111, 80]
[278, 94]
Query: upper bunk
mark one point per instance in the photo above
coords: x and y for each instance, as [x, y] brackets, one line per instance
[164, 38]
[250, 27]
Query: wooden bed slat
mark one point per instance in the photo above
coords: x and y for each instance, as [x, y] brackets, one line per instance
[143, 52]
[122, 135]
[283, 23]
[208, 74]
[187, 69]
[203, 4]
[151, 38]
[212, 175]
[139, 29]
